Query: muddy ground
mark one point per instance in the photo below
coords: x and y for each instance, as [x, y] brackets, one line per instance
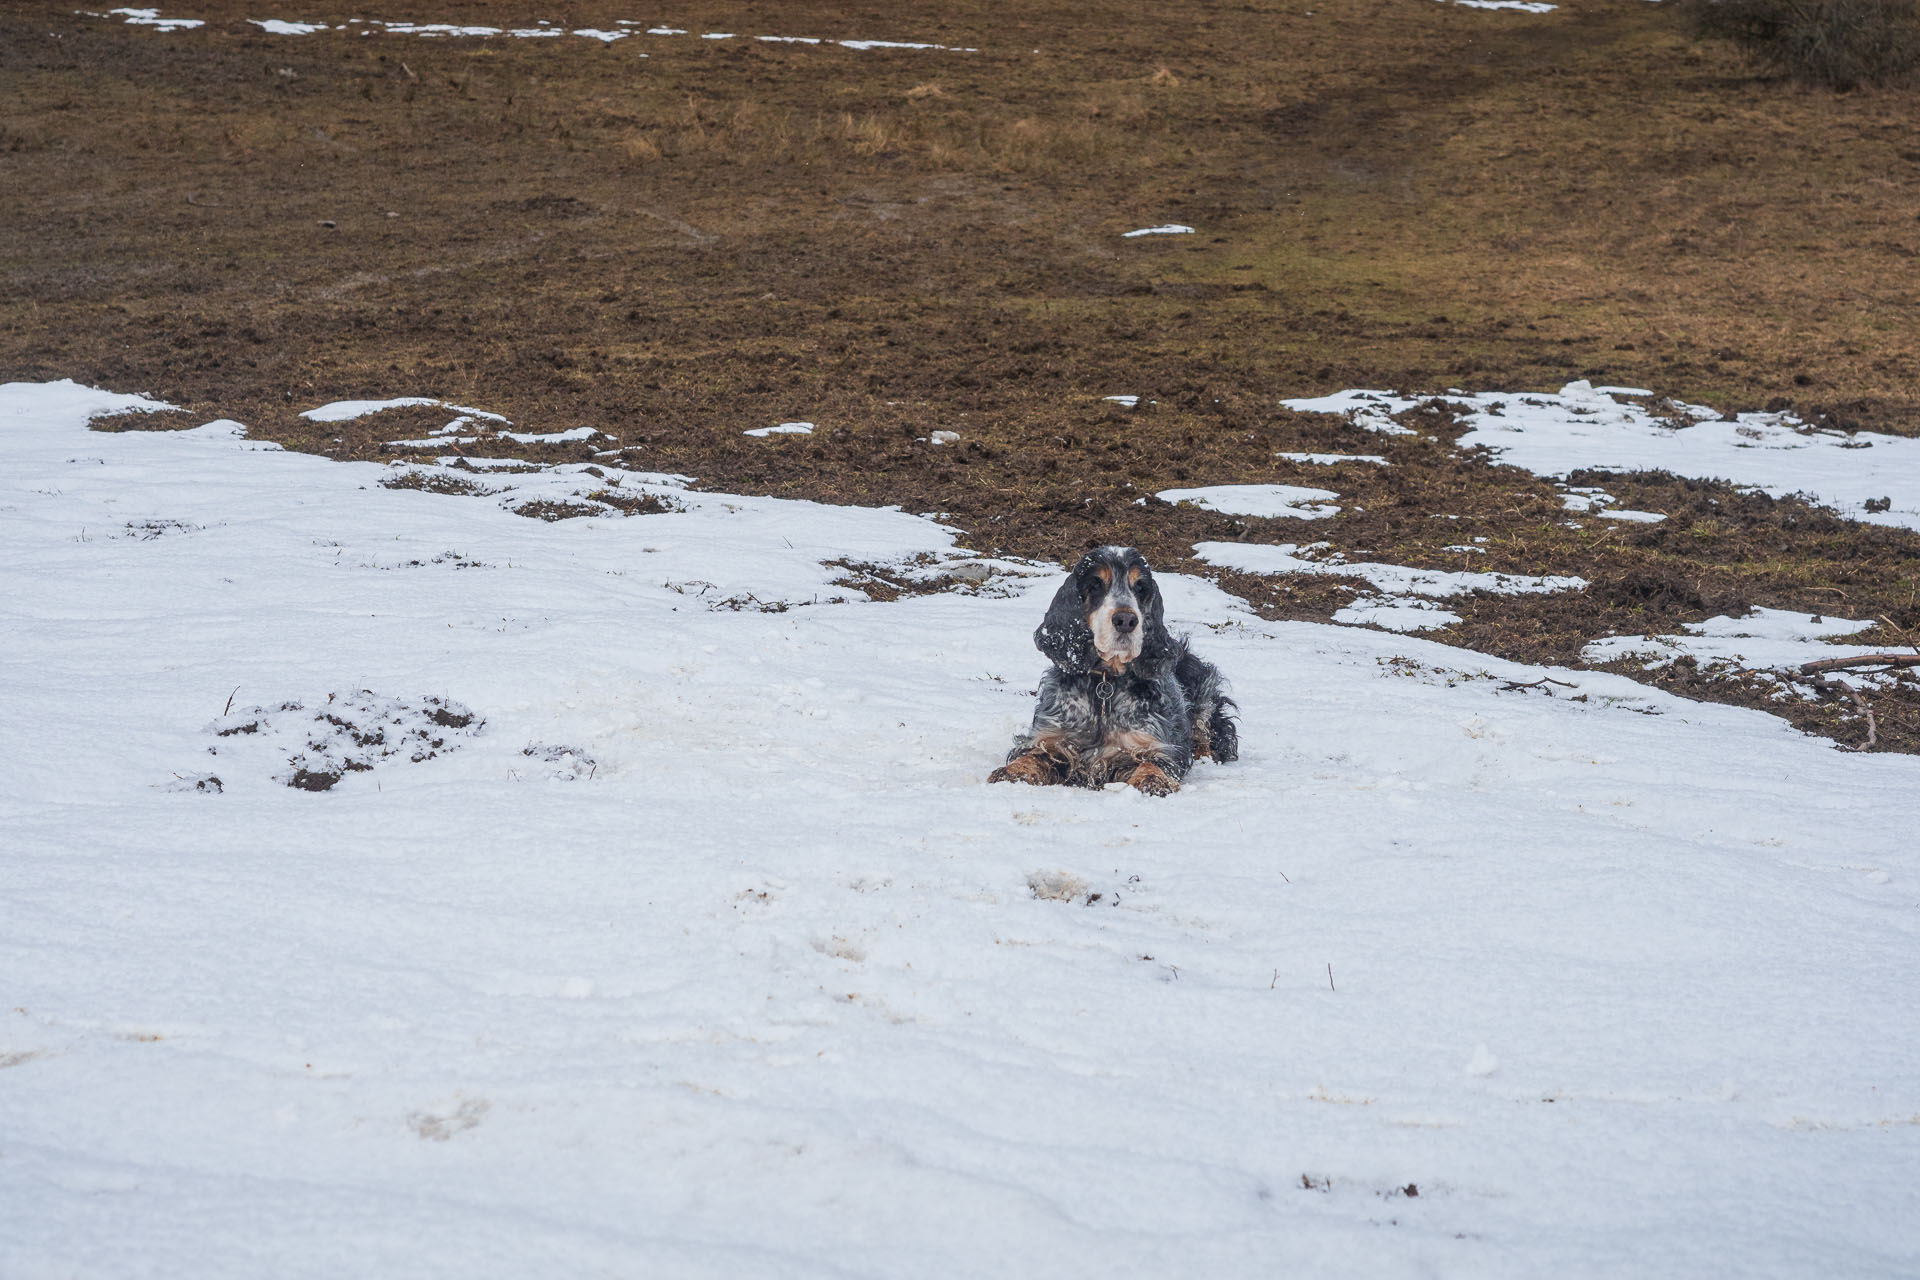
[732, 233]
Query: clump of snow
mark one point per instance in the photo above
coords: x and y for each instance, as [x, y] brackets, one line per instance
[351, 410]
[783, 429]
[279, 27]
[1599, 502]
[551, 437]
[1523, 6]
[1127, 401]
[781, 940]
[1333, 459]
[1169, 229]
[943, 437]
[151, 18]
[1272, 501]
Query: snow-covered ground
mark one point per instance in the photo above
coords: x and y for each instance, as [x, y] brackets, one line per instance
[694, 944]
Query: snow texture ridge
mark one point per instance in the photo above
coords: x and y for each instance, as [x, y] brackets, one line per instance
[709, 953]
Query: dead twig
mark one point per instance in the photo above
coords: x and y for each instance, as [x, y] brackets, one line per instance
[230, 697]
[1873, 730]
[1330, 985]
[1904, 633]
[1892, 661]
[1514, 686]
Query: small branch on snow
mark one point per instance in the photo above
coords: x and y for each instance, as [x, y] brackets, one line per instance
[1873, 730]
[1514, 686]
[230, 697]
[1889, 660]
[1330, 985]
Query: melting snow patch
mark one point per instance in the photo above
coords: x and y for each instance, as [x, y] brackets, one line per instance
[1331, 459]
[1271, 501]
[1393, 579]
[1369, 410]
[1395, 614]
[1170, 229]
[1128, 401]
[1523, 6]
[552, 437]
[1864, 476]
[1764, 639]
[784, 429]
[349, 410]
[150, 18]
[277, 27]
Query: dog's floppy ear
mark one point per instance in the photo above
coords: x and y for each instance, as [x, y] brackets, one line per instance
[1064, 635]
[1157, 645]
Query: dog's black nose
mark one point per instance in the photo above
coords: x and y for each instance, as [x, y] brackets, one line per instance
[1125, 620]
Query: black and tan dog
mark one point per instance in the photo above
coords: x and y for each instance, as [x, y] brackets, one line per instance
[1124, 701]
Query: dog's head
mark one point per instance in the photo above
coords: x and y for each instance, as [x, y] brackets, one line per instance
[1106, 616]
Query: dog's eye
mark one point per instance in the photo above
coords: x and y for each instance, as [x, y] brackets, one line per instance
[1144, 590]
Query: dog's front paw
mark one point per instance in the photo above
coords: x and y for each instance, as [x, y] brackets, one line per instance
[1034, 770]
[1153, 780]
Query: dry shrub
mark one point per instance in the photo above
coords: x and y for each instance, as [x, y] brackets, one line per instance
[1842, 44]
[1164, 79]
[639, 148]
[928, 90]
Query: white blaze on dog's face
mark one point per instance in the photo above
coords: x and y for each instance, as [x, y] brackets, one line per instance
[1116, 618]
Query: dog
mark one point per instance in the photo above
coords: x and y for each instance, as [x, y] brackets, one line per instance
[1124, 701]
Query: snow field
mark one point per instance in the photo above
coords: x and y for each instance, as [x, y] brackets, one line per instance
[1618, 987]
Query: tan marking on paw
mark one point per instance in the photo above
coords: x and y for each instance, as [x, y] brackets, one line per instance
[1033, 769]
[1153, 780]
